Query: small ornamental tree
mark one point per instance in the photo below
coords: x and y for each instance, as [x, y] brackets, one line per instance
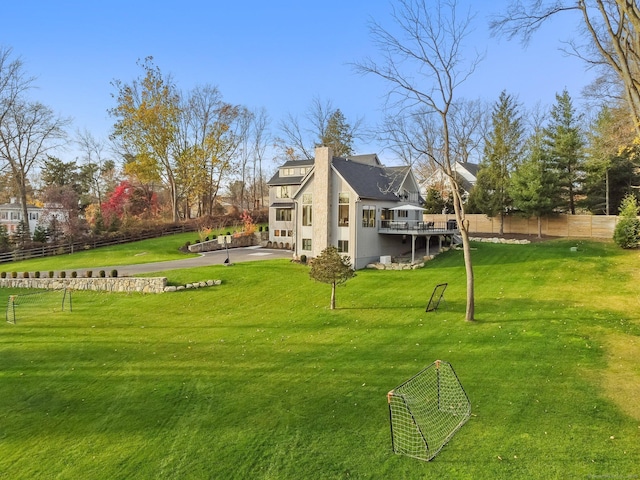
[627, 231]
[331, 267]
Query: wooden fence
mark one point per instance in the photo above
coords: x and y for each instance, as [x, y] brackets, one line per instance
[585, 226]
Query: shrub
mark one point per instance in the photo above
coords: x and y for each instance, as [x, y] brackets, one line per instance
[303, 259]
[25, 275]
[62, 274]
[627, 231]
[88, 274]
[36, 274]
[3, 274]
[114, 273]
[14, 274]
[50, 273]
[101, 274]
[74, 274]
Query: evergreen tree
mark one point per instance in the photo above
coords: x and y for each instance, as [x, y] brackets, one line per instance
[332, 268]
[338, 135]
[434, 203]
[627, 231]
[502, 151]
[611, 167]
[534, 183]
[5, 241]
[565, 144]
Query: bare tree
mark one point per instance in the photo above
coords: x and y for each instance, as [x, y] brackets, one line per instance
[13, 81]
[29, 130]
[261, 138]
[300, 137]
[95, 165]
[424, 65]
[611, 26]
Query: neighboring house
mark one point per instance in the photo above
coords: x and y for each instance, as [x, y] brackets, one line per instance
[467, 174]
[11, 216]
[356, 204]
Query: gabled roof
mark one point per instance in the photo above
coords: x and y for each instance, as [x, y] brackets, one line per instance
[374, 182]
[277, 179]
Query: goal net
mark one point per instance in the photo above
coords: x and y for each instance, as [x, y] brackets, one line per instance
[28, 305]
[426, 411]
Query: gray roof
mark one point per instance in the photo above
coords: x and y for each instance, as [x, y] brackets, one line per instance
[374, 182]
[290, 180]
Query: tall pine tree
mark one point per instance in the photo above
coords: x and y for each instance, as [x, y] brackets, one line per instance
[534, 183]
[565, 148]
[502, 152]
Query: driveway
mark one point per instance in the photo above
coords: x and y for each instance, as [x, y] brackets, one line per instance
[236, 255]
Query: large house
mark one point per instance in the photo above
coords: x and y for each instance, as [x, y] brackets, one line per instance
[467, 176]
[368, 211]
[11, 216]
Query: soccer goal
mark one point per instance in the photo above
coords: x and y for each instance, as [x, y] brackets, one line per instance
[436, 297]
[426, 411]
[32, 304]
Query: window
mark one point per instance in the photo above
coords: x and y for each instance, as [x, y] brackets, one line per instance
[307, 210]
[33, 216]
[368, 216]
[403, 214]
[15, 215]
[276, 233]
[304, 170]
[306, 244]
[282, 191]
[5, 216]
[288, 172]
[343, 209]
[283, 214]
[343, 246]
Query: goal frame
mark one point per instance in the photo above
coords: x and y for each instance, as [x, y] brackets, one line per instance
[418, 441]
[10, 314]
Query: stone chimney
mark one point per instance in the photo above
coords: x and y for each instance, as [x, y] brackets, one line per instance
[322, 200]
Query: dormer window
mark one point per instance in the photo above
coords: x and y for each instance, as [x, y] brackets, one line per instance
[288, 172]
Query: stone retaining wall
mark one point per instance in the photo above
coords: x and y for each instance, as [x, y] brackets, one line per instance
[123, 284]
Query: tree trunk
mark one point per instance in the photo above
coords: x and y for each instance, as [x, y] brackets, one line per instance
[333, 296]
[539, 226]
[466, 248]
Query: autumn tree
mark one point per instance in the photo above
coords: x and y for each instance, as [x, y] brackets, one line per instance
[611, 29]
[147, 115]
[502, 151]
[424, 64]
[211, 131]
[332, 268]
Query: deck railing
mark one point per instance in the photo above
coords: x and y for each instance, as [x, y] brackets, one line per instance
[449, 226]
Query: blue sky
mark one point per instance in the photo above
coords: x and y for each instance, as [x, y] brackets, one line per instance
[276, 54]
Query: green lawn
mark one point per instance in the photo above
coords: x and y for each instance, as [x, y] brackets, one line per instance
[257, 378]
